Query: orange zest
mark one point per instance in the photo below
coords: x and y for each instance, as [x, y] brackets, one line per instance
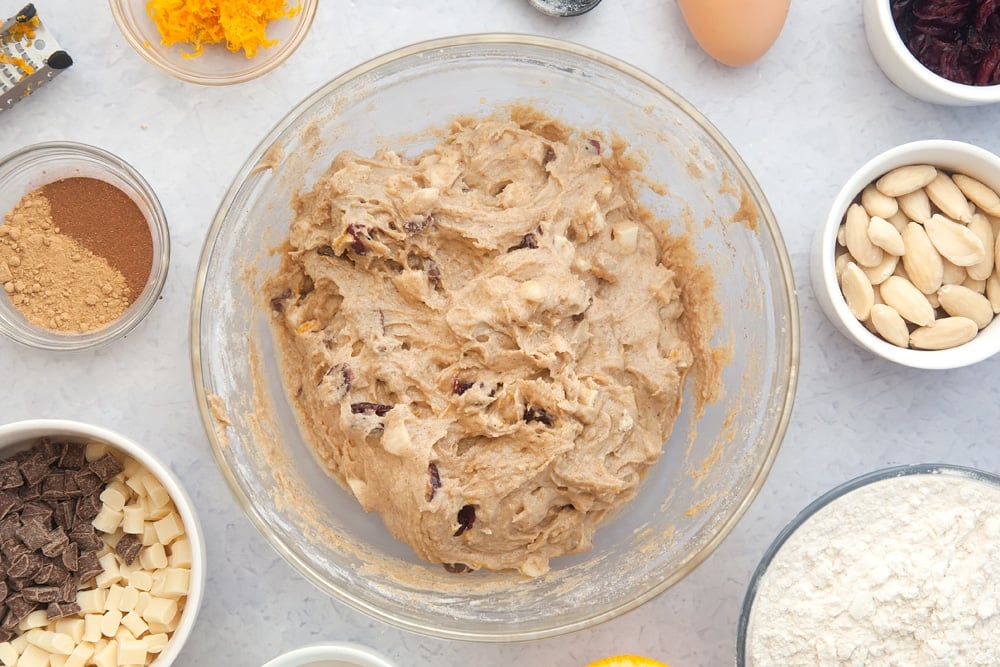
[627, 661]
[239, 24]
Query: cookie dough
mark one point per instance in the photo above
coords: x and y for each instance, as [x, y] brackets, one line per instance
[486, 342]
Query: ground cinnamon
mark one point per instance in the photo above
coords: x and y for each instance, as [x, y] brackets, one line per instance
[106, 222]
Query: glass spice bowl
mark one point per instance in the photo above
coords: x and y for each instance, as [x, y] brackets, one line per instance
[37, 165]
[216, 66]
[710, 469]
[907, 72]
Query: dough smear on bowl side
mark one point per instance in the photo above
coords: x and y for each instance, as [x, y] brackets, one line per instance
[486, 343]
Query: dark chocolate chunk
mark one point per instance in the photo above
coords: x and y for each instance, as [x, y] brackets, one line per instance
[19, 607]
[33, 534]
[64, 514]
[17, 583]
[9, 621]
[8, 502]
[38, 510]
[61, 609]
[57, 544]
[67, 590]
[3, 589]
[54, 487]
[8, 528]
[30, 492]
[6, 635]
[466, 519]
[378, 409]
[13, 547]
[88, 482]
[106, 467]
[71, 556]
[35, 468]
[89, 566]
[128, 548]
[87, 508]
[50, 451]
[537, 415]
[40, 593]
[74, 456]
[85, 537]
[10, 475]
[456, 568]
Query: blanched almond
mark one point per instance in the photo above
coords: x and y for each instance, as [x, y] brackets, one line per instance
[981, 195]
[878, 274]
[915, 205]
[899, 221]
[840, 263]
[857, 291]
[944, 333]
[977, 286]
[960, 301]
[842, 235]
[943, 192]
[876, 203]
[902, 180]
[907, 300]
[922, 262]
[954, 241]
[860, 246]
[983, 230]
[993, 292]
[889, 325]
[953, 273]
[883, 235]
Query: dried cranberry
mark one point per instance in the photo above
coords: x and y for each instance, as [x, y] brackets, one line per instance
[460, 386]
[366, 408]
[550, 155]
[278, 302]
[595, 144]
[466, 519]
[537, 415]
[340, 374]
[358, 245]
[433, 480]
[527, 241]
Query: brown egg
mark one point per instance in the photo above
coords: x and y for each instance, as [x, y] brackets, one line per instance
[735, 32]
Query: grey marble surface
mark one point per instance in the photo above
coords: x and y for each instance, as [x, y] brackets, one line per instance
[813, 109]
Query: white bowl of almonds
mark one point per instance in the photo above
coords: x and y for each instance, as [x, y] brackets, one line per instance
[102, 554]
[907, 262]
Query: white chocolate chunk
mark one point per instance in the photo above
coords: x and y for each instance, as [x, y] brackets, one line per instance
[133, 621]
[95, 450]
[155, 643]
[140, 580]
[36, 619]
[134, 519]
[50, 642]
[176, 581]
[143, 600]
[107, 655]
[80, 655]
[131, 652]
[107, 519]
[115, 495]
[8, 654]
[160, 610]
[114, 597]
[148, 534]
[111, 575]
[129, 598]
[72, 626]
[169, 528]
[153, 557]
[33, 656]
[110, 622]
[180, 552]
[92, 627]
[91, 601]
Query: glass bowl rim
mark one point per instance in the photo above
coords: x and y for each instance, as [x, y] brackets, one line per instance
[282, 52]
[43, 339]
[837, 492]
[768, 224]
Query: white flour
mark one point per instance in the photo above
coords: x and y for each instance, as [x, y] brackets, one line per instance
[902, 572]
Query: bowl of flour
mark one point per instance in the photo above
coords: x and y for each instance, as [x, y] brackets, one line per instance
[896, 567]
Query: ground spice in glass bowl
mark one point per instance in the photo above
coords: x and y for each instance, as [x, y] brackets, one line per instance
[84, 246]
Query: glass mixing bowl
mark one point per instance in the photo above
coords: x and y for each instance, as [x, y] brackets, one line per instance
[710, 469]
